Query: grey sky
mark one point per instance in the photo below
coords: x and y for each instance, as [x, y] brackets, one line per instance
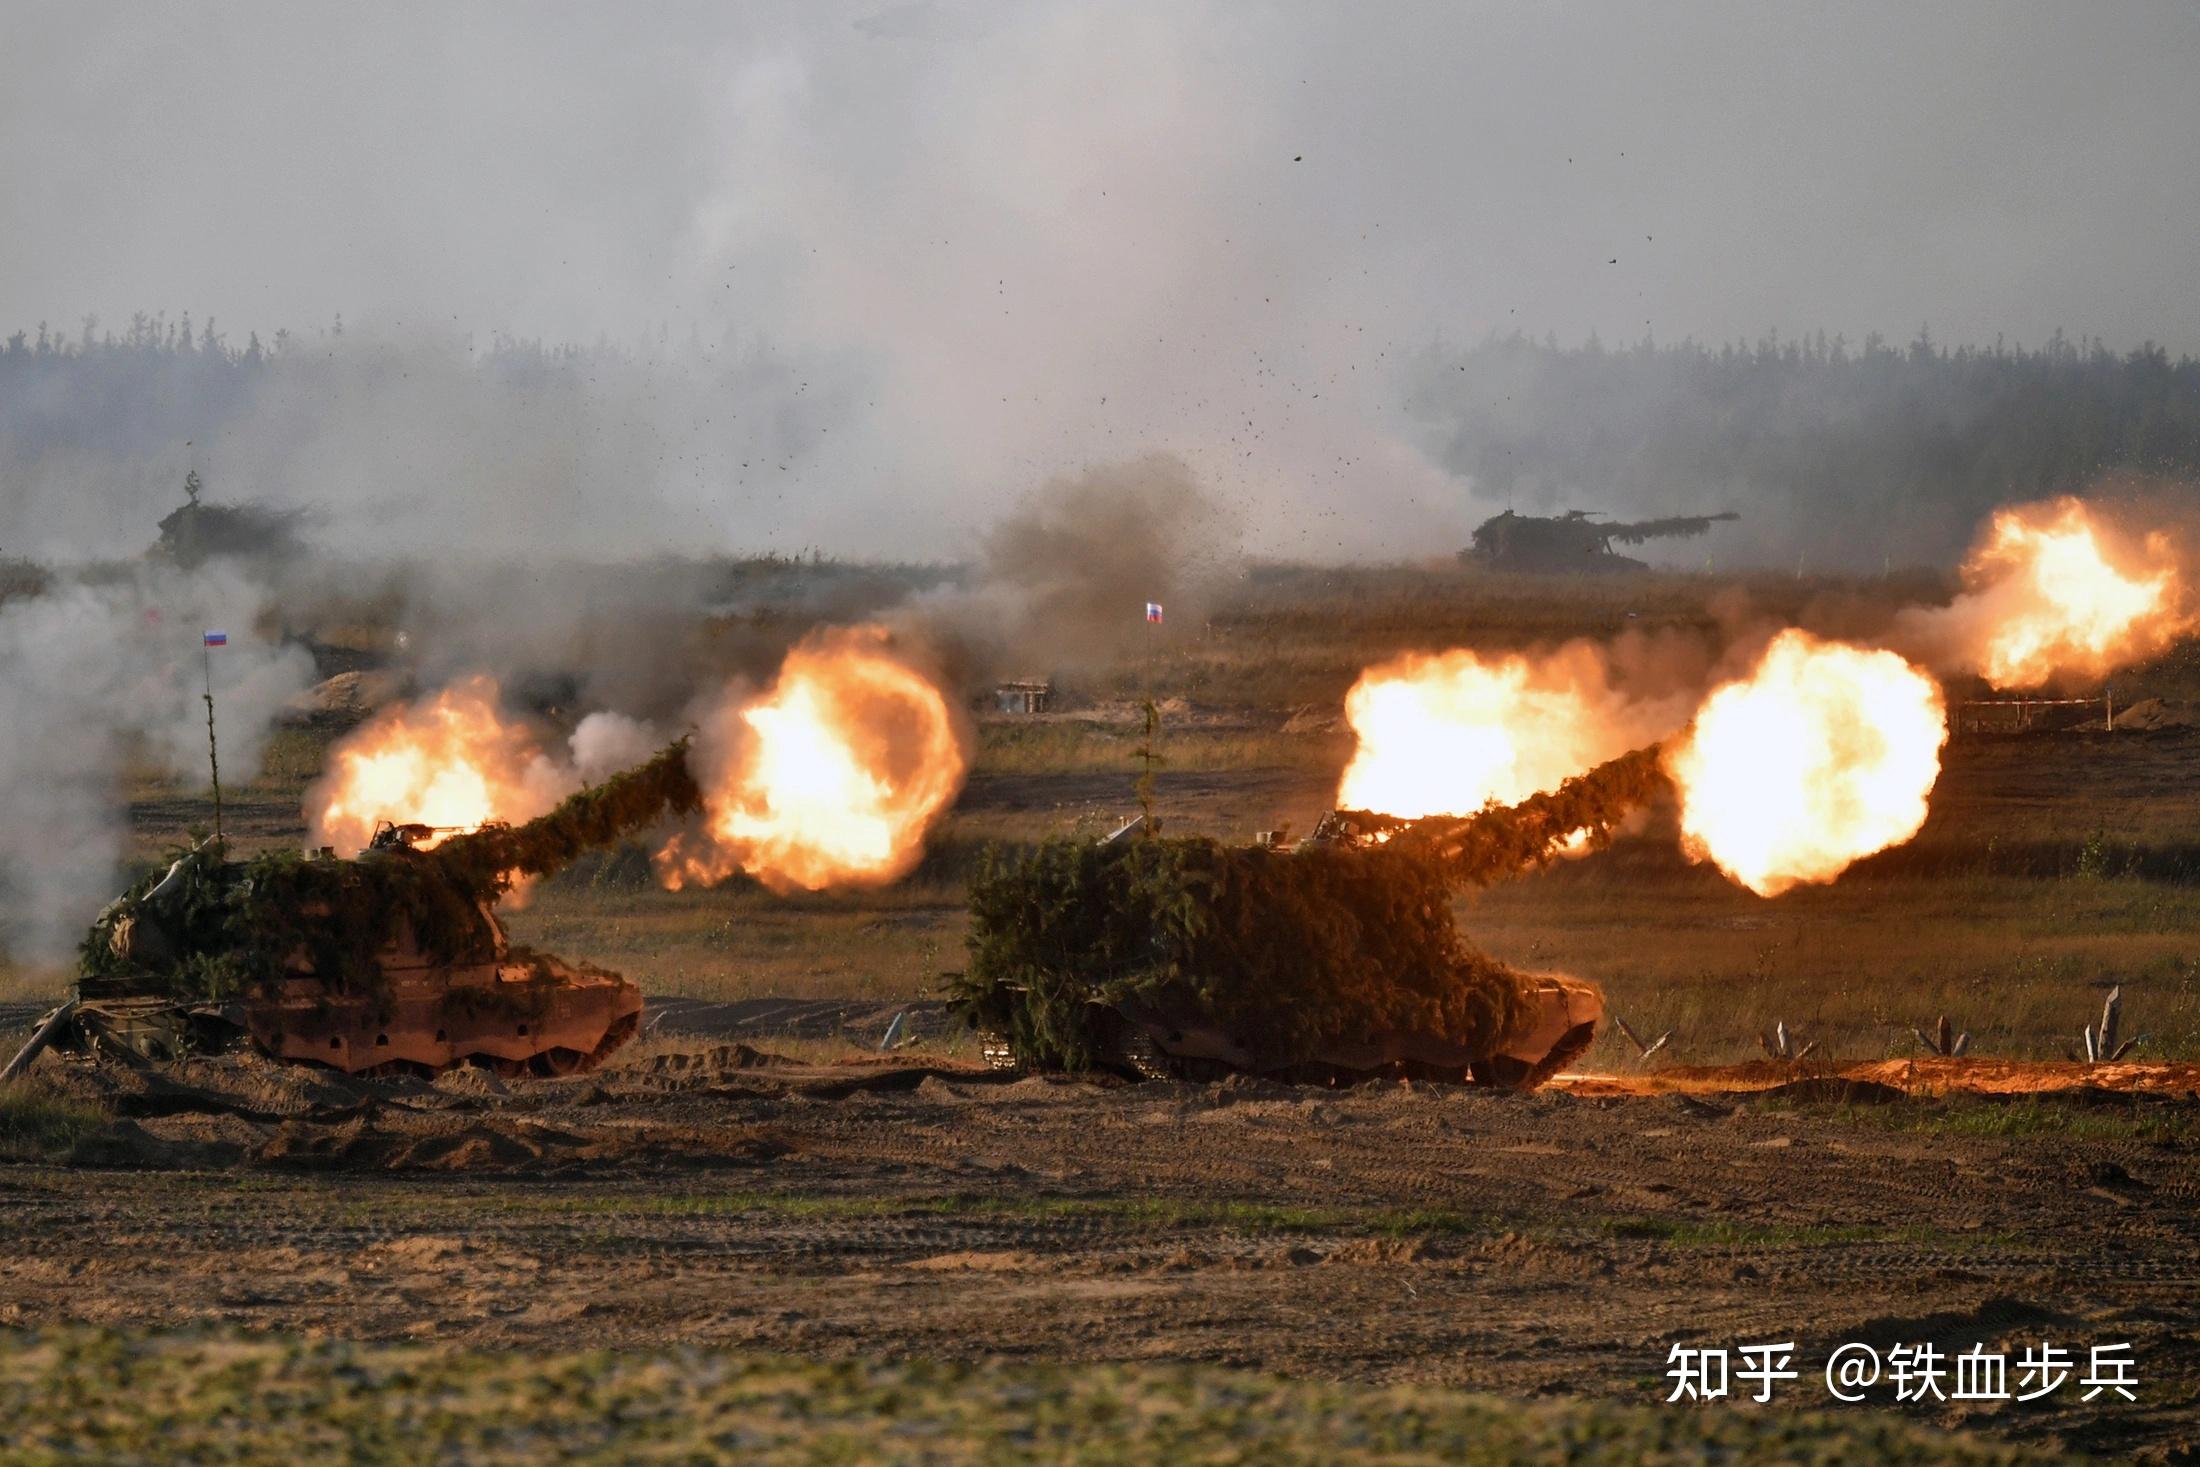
[1051, 233]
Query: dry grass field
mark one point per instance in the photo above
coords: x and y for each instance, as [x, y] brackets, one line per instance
[2054, 864]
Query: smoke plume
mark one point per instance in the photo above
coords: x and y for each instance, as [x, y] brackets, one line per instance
[105, 677]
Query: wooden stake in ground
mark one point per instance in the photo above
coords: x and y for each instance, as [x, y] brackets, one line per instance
[1642, 1051]
[1780, 1045]
[207, 644]
[1942, 1041]
[48, 1027]
[2104, 1046]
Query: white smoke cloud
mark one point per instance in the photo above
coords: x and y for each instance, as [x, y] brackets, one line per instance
[934, 254]
[102, 676]
[603, 744]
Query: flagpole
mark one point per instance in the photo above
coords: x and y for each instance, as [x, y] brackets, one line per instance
[213, 758]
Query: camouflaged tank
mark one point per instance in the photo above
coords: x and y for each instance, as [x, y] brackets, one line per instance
[1333, 961]
[392, 960]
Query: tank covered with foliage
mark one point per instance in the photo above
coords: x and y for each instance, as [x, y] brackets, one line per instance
[1337, 960]
[200, 530]
[396, 956]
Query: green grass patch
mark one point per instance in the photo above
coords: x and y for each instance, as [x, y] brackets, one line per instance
[2020, 1118]
[1170, 1213]
[36, 1124]
[1703, 1233]
[80, 1395]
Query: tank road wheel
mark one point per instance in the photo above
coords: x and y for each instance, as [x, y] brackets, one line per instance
[399, 1070]
[999, 1055]
[1137, 1054]
[1136, 1051]
[560, 1062]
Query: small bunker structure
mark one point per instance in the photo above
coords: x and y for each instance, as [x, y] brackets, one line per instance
[1024, 695]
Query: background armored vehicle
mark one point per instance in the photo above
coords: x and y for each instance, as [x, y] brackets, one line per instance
[395, 957]
[1578, 540]
[197, 531]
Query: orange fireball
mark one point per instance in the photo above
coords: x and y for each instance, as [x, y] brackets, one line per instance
[2055, 591]
[1446, 734]
[1821, 755]
[833, 777]
[2063, 602]
[453, 761]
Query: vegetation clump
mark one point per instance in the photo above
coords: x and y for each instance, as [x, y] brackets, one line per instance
[1282, 950]
[35, 1123]
[77, 1394]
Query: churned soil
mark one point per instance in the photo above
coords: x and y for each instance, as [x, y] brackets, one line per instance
[1549, 1244]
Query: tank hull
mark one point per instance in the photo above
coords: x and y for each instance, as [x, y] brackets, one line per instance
[528, 1013]
[544, 1015]
[1148, 1043]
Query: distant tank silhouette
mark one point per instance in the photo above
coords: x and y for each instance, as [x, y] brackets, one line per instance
[1578, 540]
[196, 531]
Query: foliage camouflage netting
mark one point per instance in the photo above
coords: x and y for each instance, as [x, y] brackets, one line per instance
[594, 818]
[1283, 950]
[1503, 839]
[224, 928]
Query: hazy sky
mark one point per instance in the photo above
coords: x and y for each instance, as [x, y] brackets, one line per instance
[1050, 233]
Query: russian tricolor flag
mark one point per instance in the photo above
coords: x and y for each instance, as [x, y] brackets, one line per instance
[1153, 611]
[217, 639]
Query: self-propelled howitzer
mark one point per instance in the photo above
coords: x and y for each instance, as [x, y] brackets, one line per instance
[393, 958]
[1330, 962]
[1577, 541]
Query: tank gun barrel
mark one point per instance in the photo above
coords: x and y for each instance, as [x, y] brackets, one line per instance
[1634, 532]
[603, 815]
[1503, 839]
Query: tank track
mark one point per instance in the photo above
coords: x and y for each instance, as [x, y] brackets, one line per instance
[551, 1064]
[998, 1054]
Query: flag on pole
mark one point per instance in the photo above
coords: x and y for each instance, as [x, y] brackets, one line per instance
[217, 639]
[1153, 611]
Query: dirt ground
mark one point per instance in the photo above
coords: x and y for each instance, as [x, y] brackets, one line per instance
[1523, 1244]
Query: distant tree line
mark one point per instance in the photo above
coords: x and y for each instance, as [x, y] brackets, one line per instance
[1847, 455]
[161, 380]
